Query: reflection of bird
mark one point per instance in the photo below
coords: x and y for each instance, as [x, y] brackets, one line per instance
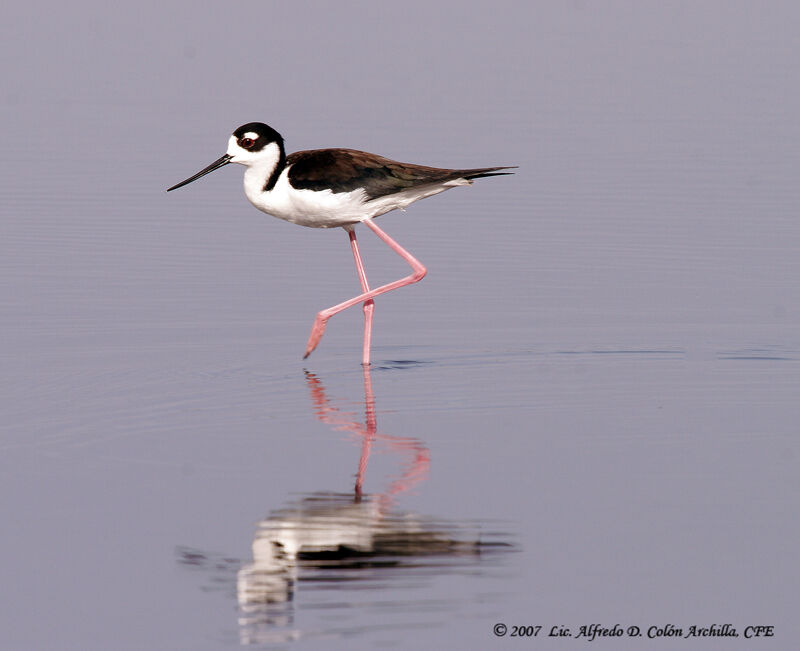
[329, 537]
[325, 532]
[323, 188]
[333, 546]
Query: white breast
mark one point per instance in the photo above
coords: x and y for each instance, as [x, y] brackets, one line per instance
[305, 207]
[326, 209]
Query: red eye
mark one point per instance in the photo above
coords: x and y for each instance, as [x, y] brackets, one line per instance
[246, 143]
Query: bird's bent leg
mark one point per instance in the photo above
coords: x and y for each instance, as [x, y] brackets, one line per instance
[417, 274]
[369, 306]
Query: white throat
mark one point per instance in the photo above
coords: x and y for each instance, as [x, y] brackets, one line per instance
[260, 166]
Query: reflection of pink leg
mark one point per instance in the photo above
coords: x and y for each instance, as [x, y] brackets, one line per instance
[417, 274]
[414, 471]
[369, 433]
[369, 305]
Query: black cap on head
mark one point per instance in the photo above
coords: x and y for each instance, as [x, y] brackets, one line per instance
[265, 135]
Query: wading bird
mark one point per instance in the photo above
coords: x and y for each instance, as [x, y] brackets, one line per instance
[323, 188]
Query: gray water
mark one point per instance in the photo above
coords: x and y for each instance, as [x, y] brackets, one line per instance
[587, 413]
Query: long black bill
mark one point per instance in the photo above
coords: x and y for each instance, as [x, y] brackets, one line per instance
[215, 165]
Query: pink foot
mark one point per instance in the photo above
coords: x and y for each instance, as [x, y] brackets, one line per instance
[317, 330]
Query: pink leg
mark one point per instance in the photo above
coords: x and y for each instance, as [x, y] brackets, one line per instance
[369, 305]
[417, 274]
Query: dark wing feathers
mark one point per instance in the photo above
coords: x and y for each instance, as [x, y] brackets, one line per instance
[345, 170]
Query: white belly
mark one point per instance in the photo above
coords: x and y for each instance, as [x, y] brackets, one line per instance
[326, 209]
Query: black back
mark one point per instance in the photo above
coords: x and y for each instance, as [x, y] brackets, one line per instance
[345, 170]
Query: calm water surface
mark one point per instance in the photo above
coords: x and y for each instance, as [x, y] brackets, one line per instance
[586, 413]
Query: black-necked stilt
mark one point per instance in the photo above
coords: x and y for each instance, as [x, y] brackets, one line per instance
[322, 188]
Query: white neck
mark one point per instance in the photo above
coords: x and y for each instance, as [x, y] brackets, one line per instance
[259, 169]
